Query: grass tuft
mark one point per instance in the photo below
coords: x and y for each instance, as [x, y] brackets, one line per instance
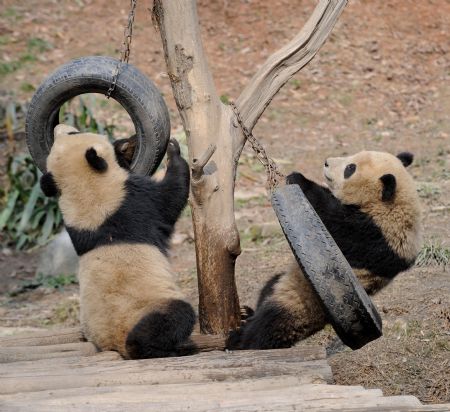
[433, 253]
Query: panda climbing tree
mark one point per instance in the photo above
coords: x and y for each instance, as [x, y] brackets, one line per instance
[215, 140]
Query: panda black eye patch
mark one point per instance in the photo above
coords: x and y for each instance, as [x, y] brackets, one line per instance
[349, 170]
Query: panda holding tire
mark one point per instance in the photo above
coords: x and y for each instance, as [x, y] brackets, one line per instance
[120, 224]
[371, 208]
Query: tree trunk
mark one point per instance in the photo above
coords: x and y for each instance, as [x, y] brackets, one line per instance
[215, 141]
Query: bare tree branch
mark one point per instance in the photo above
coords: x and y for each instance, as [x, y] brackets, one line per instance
[206, 121]
[199, 164]
[284, 63]
[209, 123]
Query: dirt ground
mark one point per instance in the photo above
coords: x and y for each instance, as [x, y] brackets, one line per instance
[381, 82]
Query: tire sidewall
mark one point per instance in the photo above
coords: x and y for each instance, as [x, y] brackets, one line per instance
[135, 92]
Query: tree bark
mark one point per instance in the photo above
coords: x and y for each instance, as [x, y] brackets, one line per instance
[215, 141]
[206, 120]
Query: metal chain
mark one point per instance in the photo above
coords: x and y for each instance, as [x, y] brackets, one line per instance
[126, 47]
[274, 176]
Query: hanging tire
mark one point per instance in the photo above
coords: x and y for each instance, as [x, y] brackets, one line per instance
[350, 310]
[134, 91]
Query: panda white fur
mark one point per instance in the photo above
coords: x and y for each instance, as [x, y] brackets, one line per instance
[372, 210]
[120, 225]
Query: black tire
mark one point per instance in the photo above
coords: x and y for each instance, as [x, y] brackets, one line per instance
[135, 92]
[349, 308]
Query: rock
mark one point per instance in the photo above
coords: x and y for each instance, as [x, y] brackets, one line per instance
[59, 257]
[7, 252]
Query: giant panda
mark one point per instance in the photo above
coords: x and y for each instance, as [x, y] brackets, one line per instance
[371, 208]
[120, 225]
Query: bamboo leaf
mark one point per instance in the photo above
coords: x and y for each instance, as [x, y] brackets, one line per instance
[6, 213]
[21, 241]
[47, 227]
[58, 217]
[37, 218]
[29, 208]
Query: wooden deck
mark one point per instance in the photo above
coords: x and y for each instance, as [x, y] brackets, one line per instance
[59, 372]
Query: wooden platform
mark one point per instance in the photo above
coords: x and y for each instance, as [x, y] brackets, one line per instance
[58, 372]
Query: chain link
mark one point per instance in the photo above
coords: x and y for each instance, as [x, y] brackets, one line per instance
[126, 47]
[273, 173]
[274, 176]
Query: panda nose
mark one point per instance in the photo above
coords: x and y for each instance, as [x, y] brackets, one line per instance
[326, 163]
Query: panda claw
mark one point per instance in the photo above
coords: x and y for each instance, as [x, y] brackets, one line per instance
[295, 178]
[246, 312]
[173, 149]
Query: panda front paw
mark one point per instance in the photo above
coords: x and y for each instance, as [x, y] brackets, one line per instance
[173, 149]
[296, 178]
[246, 312]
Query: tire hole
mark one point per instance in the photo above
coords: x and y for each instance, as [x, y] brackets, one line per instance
[93, 112]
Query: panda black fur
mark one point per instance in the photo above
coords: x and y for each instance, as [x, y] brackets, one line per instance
[120, 225]
[372, 210]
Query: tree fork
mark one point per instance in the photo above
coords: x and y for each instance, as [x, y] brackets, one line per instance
[215, 142]
[206, 121]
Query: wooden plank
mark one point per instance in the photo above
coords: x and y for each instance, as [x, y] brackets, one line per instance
[75, 360]
[192, 389]
[203, 367]
[404, 408]
[24, 353]
[56, 370]
[204, 343]
[104, 368]
[198, 396]
[266, 394]
[44, 338]
[312, 371]
[210, 360]
[297, 354]
[86, 406]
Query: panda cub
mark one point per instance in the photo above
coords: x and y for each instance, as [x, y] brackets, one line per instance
[371, 208]
[120, 225]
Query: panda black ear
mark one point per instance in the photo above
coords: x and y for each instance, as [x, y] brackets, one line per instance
[124, 151]
[389, 186]
[48, 185]
[406, 158]
[97, 162]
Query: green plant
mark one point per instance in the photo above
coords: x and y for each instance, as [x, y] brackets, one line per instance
[56, 282]
[82, 117]
[9, 67]
[12, 118]
[295, 83]
[28, 217]
[4, 40]
[38, 45]
[27, 87]
[433, 253]
[67, 312]
[429, 191]
[35, 45]
[46, 281]
[225, 99]
[11, 14]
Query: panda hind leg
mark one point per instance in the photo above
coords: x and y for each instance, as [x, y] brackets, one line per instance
[162, 333]
[271, 327]
[268, 328]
